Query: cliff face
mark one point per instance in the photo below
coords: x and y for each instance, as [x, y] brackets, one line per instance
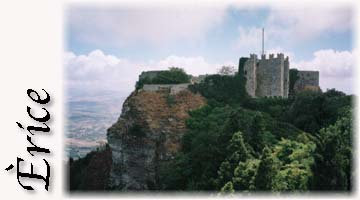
[147, 133]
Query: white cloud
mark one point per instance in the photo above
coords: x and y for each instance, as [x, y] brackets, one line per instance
[100, 71]
[192, 65]
[150, 24]
[287, 24]
[106, 72]
[336, 68]
[305, 22]
[249, 40]
[331, 63]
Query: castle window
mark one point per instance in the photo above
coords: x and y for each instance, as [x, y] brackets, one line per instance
[245, 72]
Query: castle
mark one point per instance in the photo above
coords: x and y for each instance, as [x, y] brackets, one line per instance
[265, 77]
[269, 77]
[307, 80]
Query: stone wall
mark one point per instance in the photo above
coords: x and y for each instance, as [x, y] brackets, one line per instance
[286, 76]
[307, 79]
[250, 74]
[198, 79]
[172, 88]
[270, 76]
[267, 77]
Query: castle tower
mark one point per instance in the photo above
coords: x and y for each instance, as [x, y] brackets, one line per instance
[267, 77]
[286, 77]
[250, 74]
[307, 80]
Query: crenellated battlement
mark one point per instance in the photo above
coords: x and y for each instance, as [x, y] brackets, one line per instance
[253, 56]
[267, 76]
[272, 57]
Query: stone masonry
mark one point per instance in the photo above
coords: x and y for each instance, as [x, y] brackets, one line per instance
[172, 88]
[267, 77]
[307, 80]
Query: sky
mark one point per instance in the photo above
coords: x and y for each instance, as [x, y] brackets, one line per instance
[108, 46]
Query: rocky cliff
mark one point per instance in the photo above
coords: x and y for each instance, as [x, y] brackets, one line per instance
[147, 133]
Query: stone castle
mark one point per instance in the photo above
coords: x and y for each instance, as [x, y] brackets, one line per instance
[307, 80]
[269, 77]
[265, 77]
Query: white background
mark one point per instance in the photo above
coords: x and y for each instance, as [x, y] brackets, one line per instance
[31, 47]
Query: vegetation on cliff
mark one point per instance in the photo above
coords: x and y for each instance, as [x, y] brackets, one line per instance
[172, 76]
[237, 143]
[222, 89]
[91, 172]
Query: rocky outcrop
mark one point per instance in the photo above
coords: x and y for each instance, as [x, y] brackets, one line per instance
[147, 133]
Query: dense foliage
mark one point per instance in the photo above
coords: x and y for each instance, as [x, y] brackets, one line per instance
[222, 88]
[236, 143]
[333, 155]
[90, 172]
[309, 111]
[172, 76]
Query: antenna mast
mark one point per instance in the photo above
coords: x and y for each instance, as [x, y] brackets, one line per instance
[262, 42]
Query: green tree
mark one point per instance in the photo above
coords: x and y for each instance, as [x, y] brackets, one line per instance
[225, 173]
[174, 75]
[244, 175]
[292, 177]
[237, 152]
[254, 145]
[174, 174]
[228, 188]
[311, 111]
[237, 149]
[306, 111]
[266, 171]
[334, 155]
[222, 88]
[294, 163]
